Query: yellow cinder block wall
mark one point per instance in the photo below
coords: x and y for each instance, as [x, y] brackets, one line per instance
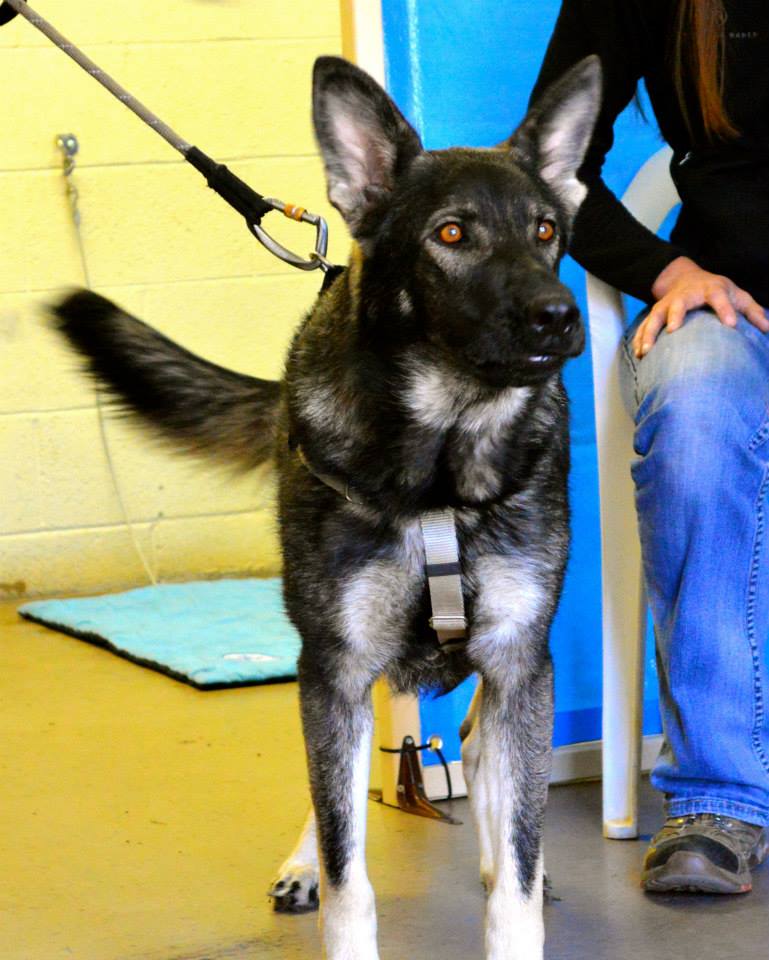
[232, 77]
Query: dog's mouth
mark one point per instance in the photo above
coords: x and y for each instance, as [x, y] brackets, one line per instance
[543, 358]
[521, 369]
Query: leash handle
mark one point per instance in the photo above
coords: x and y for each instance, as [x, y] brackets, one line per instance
[231, 188]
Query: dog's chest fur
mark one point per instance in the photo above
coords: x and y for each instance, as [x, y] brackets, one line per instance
[443, 442]
[512, 560]
[404, 427]
[469, 431]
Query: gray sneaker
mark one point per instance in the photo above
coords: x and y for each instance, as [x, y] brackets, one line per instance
[704, 853]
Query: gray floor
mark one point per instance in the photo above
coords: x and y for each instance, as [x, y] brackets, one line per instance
[430, 903]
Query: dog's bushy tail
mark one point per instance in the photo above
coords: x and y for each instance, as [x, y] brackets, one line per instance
[199, 406]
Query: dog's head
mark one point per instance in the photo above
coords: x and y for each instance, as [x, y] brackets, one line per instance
[461, 247]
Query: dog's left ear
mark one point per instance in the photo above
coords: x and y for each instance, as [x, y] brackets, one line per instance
[364, 139]
[555, 133]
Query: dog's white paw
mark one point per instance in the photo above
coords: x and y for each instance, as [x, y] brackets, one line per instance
[296, 888]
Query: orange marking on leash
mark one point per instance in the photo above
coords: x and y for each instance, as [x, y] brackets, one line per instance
[294, 212]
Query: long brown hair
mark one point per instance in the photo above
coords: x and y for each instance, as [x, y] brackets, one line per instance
[697, 53]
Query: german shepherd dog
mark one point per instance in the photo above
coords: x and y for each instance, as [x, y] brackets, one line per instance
[427, 376]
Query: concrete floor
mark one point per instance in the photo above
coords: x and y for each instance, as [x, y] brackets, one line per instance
[143, 820]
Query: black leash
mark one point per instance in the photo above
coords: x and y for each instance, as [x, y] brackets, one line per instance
[248, 203]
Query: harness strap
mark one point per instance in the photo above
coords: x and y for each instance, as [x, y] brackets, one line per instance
[444, 578]
[444, 574]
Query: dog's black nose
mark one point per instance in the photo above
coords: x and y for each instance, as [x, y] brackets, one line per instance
[553, 318]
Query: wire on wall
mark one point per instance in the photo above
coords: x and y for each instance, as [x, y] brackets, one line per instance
[69, 146]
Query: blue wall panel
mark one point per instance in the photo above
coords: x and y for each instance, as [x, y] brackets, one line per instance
[462, 71]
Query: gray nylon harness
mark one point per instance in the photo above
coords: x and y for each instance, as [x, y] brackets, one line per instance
[444, 578]
[442, 568]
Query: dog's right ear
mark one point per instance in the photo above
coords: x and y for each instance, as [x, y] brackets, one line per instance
[556, 132]
[364, 139]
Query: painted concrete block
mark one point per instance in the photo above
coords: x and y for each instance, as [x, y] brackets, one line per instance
[245, 323]
[75, 485]
[72, 561]
[155, 482]
[244, 543]
[237, 98]
[19, 474]
[129, 21]
[37, 248]
[105, 558]
[37, 371]
[149, 224]
[77, 488]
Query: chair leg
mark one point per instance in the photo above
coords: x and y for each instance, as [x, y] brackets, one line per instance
[624, 641]
[623, 612]
[649, 198]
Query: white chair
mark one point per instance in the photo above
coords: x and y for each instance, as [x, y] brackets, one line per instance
[650, 197]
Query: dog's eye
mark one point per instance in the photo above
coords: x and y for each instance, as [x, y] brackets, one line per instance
[545, 230]
[450, 233]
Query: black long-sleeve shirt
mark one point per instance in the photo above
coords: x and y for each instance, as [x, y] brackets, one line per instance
[724, 184]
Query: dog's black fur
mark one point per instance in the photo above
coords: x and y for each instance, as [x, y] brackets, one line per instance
[427, 376]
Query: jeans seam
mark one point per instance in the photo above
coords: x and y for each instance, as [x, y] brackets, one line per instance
[633, 368]
[759, 437]
[751, 614]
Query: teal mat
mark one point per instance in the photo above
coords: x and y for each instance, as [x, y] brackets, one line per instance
[210, 634]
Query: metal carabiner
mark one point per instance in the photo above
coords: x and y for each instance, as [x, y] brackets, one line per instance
[317, 258]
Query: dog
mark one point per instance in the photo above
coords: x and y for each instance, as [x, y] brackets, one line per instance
[426, 378]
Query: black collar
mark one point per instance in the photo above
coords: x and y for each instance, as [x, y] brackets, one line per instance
[352, 494]
[343, 487]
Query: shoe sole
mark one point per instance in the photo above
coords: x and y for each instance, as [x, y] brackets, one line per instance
[687, 872]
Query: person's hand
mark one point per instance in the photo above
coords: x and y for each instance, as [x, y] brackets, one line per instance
[683, 286]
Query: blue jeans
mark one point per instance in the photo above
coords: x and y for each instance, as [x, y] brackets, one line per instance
[700, 400]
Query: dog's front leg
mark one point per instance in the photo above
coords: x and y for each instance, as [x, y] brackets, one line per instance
[337, 720]
[515, 725]
[470, 734]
